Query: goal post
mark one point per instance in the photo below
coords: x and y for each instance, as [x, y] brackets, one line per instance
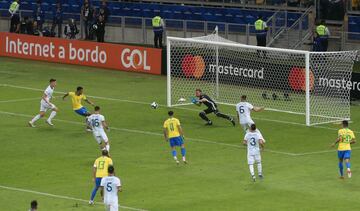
[311, 84]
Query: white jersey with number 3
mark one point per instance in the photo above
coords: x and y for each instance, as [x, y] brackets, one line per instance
[96, 121]
[110, 184]
[253, 142]
[244, 110]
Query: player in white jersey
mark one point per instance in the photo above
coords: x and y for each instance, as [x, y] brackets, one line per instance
[45, 105]
[97, 122]
[110, 186]
[254, 141]
[243, 110]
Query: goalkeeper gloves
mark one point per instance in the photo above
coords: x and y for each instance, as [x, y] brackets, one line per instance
[194, 100]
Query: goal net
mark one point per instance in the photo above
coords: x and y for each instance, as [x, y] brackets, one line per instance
[315, 85]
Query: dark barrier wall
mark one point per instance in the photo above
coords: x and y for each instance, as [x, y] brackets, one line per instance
[355, 91]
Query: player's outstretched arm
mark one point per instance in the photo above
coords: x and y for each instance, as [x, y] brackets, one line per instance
[105, 125]
[44, 97]
[88, 101]
[181, 131]
[353, 141]
[67, 94]
[262, 144]
[245, 142]
[337, 141]
[257, 109]
[102, 192]
[94, 174]
[119, 188]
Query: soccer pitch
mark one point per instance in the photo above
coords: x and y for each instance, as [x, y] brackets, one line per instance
[54, 164]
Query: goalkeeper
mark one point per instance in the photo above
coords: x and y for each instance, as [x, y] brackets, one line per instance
[211, 107]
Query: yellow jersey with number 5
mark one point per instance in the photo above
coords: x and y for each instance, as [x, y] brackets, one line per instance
[171, 125]
[345, 136]
[101, 164]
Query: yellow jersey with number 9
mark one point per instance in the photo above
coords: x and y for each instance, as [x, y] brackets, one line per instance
[76, 100]
[345, 136]
[171, 125]
[101, 164]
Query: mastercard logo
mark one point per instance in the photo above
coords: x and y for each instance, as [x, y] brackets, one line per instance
[193, 66]
[297, 79]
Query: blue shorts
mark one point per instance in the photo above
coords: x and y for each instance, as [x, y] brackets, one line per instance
[176, 141]
[97, 182]
[345, 154]
[82, 111]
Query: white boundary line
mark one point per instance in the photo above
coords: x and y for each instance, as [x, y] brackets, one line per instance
[60, 196]
[182, 108]
[19, 100]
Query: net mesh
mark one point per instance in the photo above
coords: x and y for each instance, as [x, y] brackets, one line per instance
[273, 78]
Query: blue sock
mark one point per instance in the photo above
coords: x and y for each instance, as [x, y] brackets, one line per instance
[93, 194]
[341, 167]
[348, 165]
[174, 153]
[183, 152]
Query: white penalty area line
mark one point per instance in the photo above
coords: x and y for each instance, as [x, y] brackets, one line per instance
[19, 100]
[60, 196]
[188, 138]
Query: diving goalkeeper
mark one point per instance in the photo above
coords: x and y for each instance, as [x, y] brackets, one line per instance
[211, 107]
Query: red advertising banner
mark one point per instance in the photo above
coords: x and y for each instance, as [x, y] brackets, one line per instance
[104, 55]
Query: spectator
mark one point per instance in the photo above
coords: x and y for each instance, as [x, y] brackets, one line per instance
[158, 28]
[33, 206]
[38, 14]
[71, 29]
[87, 14]
[323, 33]
[355, 4]
[104, 10]
[36, 30]
[57, 19]
[100, 28]
[15, 19]
[317, 43]
[24, 25]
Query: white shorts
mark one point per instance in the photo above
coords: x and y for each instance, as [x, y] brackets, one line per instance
[246, 125]
[112, 207]
[44, 106]
[101, 136]
[254, 158]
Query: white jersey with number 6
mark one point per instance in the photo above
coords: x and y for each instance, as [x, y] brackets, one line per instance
[96, 123]
[244, 111]
[111, 184]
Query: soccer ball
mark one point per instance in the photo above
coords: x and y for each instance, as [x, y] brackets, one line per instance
[95, 27]
[154, 105]
[181, 100]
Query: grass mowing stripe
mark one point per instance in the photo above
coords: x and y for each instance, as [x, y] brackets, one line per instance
[60, 196]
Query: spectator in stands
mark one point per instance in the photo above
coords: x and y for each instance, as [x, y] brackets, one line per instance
[100, 28]
[158, 28]
[57, 19]
[317, 43]
[15, 19]
[71, 29]
[104, 10]
[87, 14]
[323, 33]
[33, 205]
[38, 14]
[36, 30]
[24, 25]
[355, 4]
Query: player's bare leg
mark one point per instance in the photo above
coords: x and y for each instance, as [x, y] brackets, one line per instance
[52, 115]
[36, 118]
[348, 170]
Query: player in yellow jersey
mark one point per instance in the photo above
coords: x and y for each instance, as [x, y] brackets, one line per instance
[76, 98]
[345, 138]
[100, 171]
[174, 134]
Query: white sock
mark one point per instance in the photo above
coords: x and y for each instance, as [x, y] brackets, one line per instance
[107, 147]
[175, 158]
[52, 115]
[251, 167]
[259, 166]
[36, 118]
[184, 158]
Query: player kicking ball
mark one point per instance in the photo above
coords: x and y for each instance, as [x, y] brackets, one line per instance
[76, 98]
[110, 186]
[174, 134]
[97, 123]
[45, 105]
[254, 141]
[243, 110]
[345, 138]
[211, 107]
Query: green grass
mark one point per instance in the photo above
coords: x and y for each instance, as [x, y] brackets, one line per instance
[59, 160]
